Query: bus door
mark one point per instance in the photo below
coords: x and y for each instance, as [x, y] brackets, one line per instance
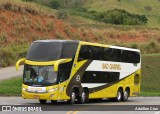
[63, 82]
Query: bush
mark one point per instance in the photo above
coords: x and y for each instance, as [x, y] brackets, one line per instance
[11, 53]
[151, 47]
[62, 14]
[6, 58]
[115, 16]
[121, 17]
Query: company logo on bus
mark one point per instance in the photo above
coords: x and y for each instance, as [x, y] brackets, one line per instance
[111, 66]
[78, 78]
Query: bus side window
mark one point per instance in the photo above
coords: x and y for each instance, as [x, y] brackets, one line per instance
[97, 53]
[85, 53]
[107, 54]
[125, 56]
[136, 57]
[116, 55]
[130, 56]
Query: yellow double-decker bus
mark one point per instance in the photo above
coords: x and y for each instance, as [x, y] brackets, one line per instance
[77, 71]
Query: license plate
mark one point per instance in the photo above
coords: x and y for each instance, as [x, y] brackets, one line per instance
[36, 97]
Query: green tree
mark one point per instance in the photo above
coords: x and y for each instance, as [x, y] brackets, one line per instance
[55, 4]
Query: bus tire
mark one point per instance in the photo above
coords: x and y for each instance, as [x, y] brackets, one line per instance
[42, 101]
[83, 98]
[119, 95]
[125, 95]
[73, 97]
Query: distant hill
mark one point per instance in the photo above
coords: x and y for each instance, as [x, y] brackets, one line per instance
[149, 8]
[23, 22]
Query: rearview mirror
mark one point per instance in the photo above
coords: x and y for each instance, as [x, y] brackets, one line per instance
[57, 64]
[18, 62]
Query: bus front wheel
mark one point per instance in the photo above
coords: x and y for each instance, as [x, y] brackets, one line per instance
[42, 101]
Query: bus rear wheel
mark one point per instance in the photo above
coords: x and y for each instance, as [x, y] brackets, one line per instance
[42, 101]
[125, 95]
[83, 98]
[119, 95]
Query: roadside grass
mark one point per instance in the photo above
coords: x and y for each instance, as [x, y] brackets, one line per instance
[148, 94]
[150, 80]
[11, 86]
[10, 54]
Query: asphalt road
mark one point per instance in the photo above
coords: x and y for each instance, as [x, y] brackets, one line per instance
[99, 107]
[10, 72]
[131, 101]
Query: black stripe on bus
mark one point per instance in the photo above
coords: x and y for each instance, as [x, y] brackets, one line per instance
[74, 82]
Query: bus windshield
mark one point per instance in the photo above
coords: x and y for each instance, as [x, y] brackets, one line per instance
[39, 75]
[44, 51]
[50, 51]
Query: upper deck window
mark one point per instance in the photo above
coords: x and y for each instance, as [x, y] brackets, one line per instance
[50, 51]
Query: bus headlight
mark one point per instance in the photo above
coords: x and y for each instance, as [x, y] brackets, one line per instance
[52, 90]
[24, 89]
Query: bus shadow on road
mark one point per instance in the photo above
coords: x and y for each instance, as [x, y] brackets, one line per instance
[90, 102]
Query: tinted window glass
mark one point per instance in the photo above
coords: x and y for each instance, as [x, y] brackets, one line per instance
[97, 52]
[125, 56]
[136, 57]
[69, 50]
[44, 51]
[85, 53]
[107, 54]
[49, 51]
[116, 55]
[100, 77]
[64, 71]
[130, 56]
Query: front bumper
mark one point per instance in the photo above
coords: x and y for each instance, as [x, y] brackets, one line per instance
[44, 96]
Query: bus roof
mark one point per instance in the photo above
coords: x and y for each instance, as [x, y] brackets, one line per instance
[89, 43]
[110, 46]
[63, 41]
